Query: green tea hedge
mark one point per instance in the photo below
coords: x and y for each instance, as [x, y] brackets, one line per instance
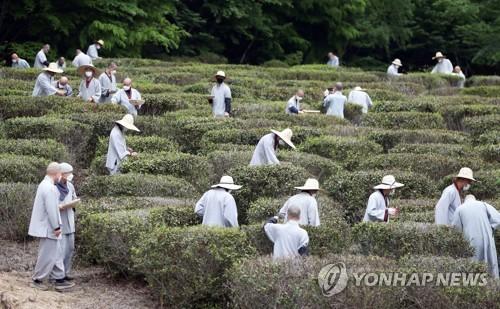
[17, 168]
[390, 138]
[45, 148]
[403, 120]
[16, 204]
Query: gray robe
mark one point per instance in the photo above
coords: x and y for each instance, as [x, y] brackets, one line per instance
[447, 204]
[67, 88]
[220, 93]
[376, 208]
[40, 59]
[81, 59]
[92, 52]
[264, 153]
[121, 98]
[476, 220]
[93, 90]
[108, 87]
[288, 238]
[309, 214]
[117, 150]
[21, 64]
[443, 67]
[334, 104]
[218, 208]
[68, 230]
[44, 86]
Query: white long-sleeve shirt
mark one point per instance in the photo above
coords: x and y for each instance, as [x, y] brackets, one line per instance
[93, 90]
[447, 204]
[360, 98]
[443, 67]
[44, 85]
[288, 238]
[334, 104]
[218, 208]
[376, 208]
[309, 214]
[264, 153]
[117, 150]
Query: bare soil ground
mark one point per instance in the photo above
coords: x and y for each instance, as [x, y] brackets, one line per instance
[94, 288]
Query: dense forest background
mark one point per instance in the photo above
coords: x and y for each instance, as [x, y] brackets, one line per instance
[367, 33]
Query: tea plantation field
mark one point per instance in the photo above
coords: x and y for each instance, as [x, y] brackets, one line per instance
[141, 224]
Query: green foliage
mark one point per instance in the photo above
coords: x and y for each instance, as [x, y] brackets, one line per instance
[16, 203]
[141, 144]
[490, 153]
[390, 138]
[403, 120]
[45, 148]
[485, 91]
[17, 168]
[187, 266]
[400, 239]
[482, 124]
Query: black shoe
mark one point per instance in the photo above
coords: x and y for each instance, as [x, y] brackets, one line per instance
[62, 285]
[69, 278]
[38, 284]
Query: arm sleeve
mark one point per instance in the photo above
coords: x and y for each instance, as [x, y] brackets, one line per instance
[227, 102]
[104, 89]
[48, 87]
[369, 101]
[43, 59]
[69, 91]
[230, 212]
[373, 212]
[293, 109]
[120, 147]
[493, 216]
[283, 210]
[115, 99]
[97, 94]
[457, 221]
[270, 230]
[313, 214]
[52, 208]
[442, 206]
[199, 208]
[434, 70]
[80, 89]
[270, 153]
[304, 240]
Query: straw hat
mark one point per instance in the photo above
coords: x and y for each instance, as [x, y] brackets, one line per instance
[227, 182]
[286, 136]
[397, 62]
[465, 173]
[53, 68]
[357, 88]
[66, 168]
[311, 184]
[221, 74]
[128, 122]
[100, 42]
[388, 182]
[438, 55]
[81, 69]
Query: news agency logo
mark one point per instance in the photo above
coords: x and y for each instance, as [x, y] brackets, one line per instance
[333, 279]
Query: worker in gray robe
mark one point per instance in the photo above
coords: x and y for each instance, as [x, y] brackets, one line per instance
[290, 240]
[81, 59]
[476, 220]
[93, 50]
[63, 84]
[359, 97]
[220, 96]
[66, 195]
[117, 147]
[61, 63]
[18, 63]
[44, 85]
[125, 95]
[90, 87]
[333, 60]
[217, 206]
[334, 102]
[377, 208]
[41, 57]
[457, 71]
[306, 201]
[265, 152]
[293, 105]
[45, 224]
[443, 65]
[393, 69]
[108, 83]
[450, 198]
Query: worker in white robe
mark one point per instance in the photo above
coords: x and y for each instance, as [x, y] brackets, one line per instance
[117, 147]
[44, 82]
[66, 195]
[93, 50]
[306, 201]
[127, 94]
[90, 87]
[334, 102]
[217, 206]
[333, 60]
[359, 97]
[41, 57]
[443, 65]
[290, 240]
[477, 220]
[18, 63]
[265, 152]
[457, 71]
[393, 69]
[81, 59]
[108, 83]
[293, 105]
[220, 96]
[61, 63]
[63, 84]
[450, 198]
[377, 208]
[45, 224]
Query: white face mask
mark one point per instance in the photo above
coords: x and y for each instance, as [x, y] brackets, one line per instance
[281, 142]
[299, 98]
[58, 179]
[440, 60]
[392, 192]
[113, 72]
[126, 88]
[14, 61]
[467, 187]
[88, 74]
[98, 47]
[70, 178]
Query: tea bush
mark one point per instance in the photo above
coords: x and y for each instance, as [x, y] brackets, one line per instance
[16, 204]
[45, 148]
[17, 168]
[403, 120]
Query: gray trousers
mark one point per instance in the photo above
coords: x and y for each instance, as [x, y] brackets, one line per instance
[68, 249]
[50, 260]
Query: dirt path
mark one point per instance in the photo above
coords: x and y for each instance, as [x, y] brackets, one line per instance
[94, 289]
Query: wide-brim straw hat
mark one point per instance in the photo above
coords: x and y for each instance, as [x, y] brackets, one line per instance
[466, 173]
[358, 88]
[81, 69]
[221, 74]
[53, 68]
[100, 42]
[397, 62]
[311, 185]
[286, 136]
[227, 182]
[438, 55]
[128, 122]
[388, 182]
